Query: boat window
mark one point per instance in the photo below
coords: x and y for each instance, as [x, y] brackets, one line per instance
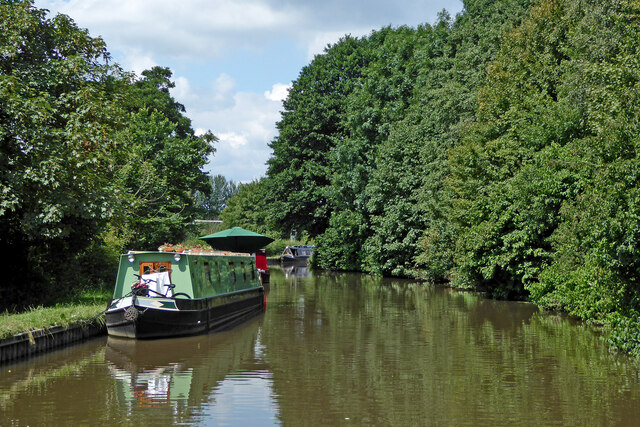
[150, 267]
[244, 271]
[207, 274]
[232, 272]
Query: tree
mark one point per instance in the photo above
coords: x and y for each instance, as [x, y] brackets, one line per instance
[312, 122]
[161, 170]
[91, 159]
[59, 102]
[221, 191]
[247, 208]
[386, 85]
[151, 91]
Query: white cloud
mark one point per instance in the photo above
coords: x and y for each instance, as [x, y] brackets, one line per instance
[278, 92]
[137, 61]
[223, 88]
[244, 123]
[182, 90]
[208, 28]
[232, 139]
[178, 29]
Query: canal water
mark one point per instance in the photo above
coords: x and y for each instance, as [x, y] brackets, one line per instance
[340, 349]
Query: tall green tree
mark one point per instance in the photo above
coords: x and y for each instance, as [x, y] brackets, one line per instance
[594, 270]
[161, 170]
[416, 92]
[159, 186]
[91, 159]
[504, 211]
[59, 103]
[386, 86]
[312, 122]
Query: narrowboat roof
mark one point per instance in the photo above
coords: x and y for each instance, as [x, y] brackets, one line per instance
[201, 274]
[213, 253]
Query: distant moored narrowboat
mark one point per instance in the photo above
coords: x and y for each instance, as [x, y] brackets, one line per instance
[298, 253]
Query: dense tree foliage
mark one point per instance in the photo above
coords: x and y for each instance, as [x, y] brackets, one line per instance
[311, 125]
[247, 208]
[496, 150]
[160, 171]
[58, 108]
[90, 157]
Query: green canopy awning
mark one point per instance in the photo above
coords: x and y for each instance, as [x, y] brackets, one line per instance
[237, 239]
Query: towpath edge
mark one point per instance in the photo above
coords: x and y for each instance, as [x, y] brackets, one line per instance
[27, 344]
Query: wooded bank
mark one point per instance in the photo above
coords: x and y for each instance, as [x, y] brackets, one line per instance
[497, 150]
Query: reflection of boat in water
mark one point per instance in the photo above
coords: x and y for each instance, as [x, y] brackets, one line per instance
[296, 271]
[156, 387]
[298, 253]
[163, 294]
[181, 374]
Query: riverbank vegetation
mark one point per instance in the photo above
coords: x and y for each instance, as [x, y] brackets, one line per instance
[497, 150]
[36, 318]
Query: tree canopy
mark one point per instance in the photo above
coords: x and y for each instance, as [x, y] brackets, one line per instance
[91, 158]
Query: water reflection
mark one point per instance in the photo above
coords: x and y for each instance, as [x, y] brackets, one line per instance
[372, 351]
[194, 379]
[335, 349]
[143, 385]
[293, 270]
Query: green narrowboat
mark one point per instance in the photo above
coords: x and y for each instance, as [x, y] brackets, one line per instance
[165, 294]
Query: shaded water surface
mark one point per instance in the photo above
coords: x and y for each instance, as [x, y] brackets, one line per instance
[340, 349]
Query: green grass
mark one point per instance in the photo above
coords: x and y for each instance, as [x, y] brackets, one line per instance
[45, 318]
[79, 307]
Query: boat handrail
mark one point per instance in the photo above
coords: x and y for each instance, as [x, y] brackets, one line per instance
[189, 252]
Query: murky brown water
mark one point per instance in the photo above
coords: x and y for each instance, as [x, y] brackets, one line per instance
[340, 349]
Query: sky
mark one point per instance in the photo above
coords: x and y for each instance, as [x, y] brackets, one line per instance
[234, 60]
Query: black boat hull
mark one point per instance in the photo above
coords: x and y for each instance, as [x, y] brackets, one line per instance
[148, 318]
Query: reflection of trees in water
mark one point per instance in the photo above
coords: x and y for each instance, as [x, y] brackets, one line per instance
[25, 378]
[337, 346]
[395, 352]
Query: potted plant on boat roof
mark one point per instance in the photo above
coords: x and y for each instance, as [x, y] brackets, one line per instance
[167, 247]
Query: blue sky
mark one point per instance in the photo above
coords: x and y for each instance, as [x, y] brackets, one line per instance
[232, 60]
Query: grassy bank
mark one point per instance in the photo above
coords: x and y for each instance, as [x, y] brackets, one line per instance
[79, 307]
[43, 318]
